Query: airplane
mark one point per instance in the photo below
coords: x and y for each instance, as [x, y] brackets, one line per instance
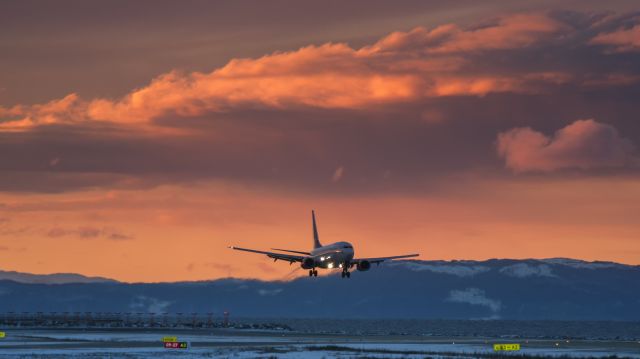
[332, 256]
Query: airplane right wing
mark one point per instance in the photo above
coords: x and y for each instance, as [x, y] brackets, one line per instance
[281, 256]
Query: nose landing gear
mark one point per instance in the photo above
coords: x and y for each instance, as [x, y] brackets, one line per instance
[346, 274]
[313, 273]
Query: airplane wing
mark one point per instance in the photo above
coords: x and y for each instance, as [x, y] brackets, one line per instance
[281, 256]
[380, 259]
[290, 251]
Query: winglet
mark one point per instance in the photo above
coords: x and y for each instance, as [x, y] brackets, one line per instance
[316, 239]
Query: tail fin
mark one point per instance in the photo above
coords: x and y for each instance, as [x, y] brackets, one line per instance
[316, 240]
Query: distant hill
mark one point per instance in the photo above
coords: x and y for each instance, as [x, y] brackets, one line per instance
[560, 289]
[56, 278]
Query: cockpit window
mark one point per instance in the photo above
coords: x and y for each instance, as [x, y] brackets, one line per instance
[348, 247]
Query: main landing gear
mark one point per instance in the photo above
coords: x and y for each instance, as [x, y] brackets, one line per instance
[313, 273]
[346, 274]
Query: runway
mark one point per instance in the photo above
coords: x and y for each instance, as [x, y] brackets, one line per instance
[233, 343]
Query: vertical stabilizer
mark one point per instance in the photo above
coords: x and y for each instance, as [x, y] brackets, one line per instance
[316, 240]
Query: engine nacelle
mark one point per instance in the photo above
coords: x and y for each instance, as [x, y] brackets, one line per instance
[363, 266]
[308, 263]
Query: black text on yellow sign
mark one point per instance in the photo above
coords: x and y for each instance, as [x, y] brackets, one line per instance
[506, 347]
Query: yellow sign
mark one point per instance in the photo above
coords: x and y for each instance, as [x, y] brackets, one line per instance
[499, 347]
[169, 339]
[3, 334]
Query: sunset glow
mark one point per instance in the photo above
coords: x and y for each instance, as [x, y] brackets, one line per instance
[501, 133]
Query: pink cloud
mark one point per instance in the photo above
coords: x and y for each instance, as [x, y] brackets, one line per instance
[337, 175]
[584, 144]
[68, 109]
[402, 67]
[622, 40]
[509, 32]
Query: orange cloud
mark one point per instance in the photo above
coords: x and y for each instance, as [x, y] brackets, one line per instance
[584, 144]
[622, 40]
[509, 32]
[68, 109]
[399, 68]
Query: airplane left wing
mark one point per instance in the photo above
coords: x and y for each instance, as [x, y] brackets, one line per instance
[281, 256]
[380, 259]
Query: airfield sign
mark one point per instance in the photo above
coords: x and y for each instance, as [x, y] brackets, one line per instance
[506, 347]
[175, 345]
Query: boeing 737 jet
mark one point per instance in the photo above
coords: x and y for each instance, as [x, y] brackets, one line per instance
[332, 256]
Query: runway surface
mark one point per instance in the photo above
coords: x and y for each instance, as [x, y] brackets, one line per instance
[232, 343]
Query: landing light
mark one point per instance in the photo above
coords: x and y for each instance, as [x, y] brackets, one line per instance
[321, 259]
[330, 265]
[340, 265]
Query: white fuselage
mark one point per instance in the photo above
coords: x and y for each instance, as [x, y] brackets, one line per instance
[336, 255]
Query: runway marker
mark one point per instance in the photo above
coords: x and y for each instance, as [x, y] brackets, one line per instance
[506, 347]
[175, 345]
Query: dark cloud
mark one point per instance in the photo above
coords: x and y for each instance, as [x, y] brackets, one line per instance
[88, 232]
[12, 231]
[620, 34]
[406, 145]
[396, 150]
[57, 232]
[130, 43]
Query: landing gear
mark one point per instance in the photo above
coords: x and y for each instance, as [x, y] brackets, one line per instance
[346, 274]
[313, 273]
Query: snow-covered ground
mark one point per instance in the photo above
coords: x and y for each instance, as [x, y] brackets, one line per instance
[152, 337]
[116, 344]
[464, 351]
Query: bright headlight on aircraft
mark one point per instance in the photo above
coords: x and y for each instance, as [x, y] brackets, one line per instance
[340, 255]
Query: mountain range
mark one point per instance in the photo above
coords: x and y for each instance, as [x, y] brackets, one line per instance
[56, 278]
[530, 289]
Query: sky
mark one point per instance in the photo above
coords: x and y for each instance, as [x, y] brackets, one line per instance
[140, 139]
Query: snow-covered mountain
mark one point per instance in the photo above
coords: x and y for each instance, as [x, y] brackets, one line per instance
[560, 289]
[56, 278]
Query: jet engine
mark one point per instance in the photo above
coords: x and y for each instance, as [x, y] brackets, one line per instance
[363, 266]
[308, 263]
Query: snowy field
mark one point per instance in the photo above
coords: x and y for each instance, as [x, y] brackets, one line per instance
[22, 343]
